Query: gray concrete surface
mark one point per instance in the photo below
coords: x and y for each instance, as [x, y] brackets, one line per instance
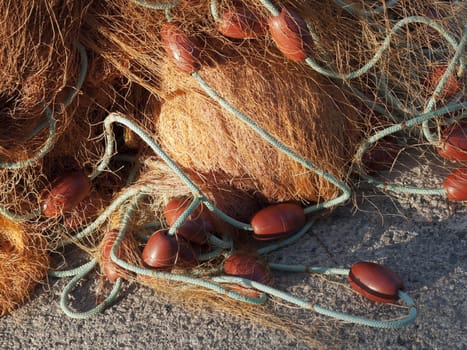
[422, 238]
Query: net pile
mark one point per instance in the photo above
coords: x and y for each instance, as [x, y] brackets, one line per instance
[112, 106]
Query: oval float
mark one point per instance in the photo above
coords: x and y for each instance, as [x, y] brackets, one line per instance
[455, 185]
[380, 156]
[277, 220]
[161, 250]
[182, 49]
[196, 226]
[454, 142]
[240, 23]
[64, 193]
[290, 33]
[249, 267]
[375, 282]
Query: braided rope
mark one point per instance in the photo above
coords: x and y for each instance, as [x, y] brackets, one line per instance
[199, 197]
[167, 275]
[373, 323]
[83, 271]
[122, 198]
[214, 283]
[156, 6]
[305, 304]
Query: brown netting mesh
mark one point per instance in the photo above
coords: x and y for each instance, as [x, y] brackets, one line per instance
[24, 261]
[322, 119]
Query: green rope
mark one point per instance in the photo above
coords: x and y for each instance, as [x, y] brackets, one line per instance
[49, 120]
[184, 216]
[166, 7]
[72, 272]
[394, 100]
[144, 236]
[82, 75]
[211, 255]
[44, 149]
[109, 150]
[373, 104]
[214, 10]
[167, 275]
[64, 298]
[134, 169]
[365, 13]
[309, 269]
[156, 6]
[373, 323]
[219, 242]
[19, 217]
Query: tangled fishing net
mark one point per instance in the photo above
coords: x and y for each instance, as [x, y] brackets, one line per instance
[172, 140]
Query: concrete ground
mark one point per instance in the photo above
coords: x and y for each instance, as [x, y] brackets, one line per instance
[422, 238]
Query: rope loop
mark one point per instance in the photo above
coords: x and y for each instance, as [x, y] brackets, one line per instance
[79, 274]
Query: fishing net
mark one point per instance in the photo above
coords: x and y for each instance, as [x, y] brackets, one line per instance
[111, 110]
[24, 262]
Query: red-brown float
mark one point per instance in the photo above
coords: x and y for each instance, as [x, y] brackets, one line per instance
[375, 282]
[240, 23]
[277, 221]
[64, 193]
[455, 185]
[183, 50]
[290, 33]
